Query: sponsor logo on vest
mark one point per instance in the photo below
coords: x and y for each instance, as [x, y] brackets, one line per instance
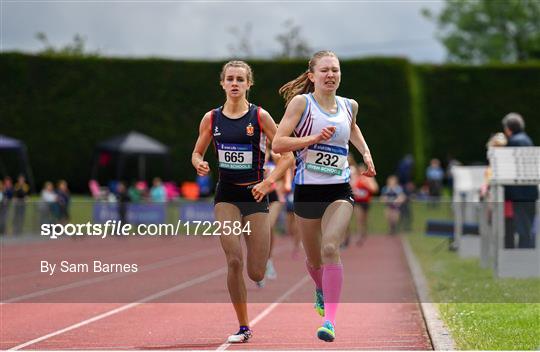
[216, 132]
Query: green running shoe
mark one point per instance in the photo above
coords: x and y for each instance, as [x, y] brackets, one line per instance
[319, 301]
[326, 332]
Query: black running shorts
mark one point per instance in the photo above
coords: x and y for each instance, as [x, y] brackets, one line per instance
[241, 197]
[311, 201]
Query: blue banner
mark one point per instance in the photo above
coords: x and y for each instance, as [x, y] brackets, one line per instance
[199, 211]
[136, 213]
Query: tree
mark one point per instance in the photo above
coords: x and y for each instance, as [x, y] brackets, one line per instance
[480, 31]
[242, 47]
[292, 43]
[74, 49]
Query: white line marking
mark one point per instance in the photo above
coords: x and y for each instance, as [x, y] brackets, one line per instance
[440, 336]
[270, 308]
[179, 287]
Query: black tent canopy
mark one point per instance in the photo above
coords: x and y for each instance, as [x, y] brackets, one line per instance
[17, 146]
[131, 144]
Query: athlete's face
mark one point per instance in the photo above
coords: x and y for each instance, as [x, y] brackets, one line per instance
[326, 74]
[235, 82]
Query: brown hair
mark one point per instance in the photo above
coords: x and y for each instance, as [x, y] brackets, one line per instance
[302, 84]
[237, 63]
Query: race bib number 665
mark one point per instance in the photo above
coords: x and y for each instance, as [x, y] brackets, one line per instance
[235, 156]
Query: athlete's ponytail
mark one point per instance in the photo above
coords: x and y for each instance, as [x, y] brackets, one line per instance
[302, 84]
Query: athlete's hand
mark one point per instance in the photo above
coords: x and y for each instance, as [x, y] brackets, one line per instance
[261, 189]
[370, 171]
[202, 168]
[326, 133]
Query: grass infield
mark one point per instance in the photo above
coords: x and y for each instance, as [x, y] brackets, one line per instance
[482, 312]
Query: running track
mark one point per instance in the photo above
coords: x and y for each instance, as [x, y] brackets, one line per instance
[178, 299]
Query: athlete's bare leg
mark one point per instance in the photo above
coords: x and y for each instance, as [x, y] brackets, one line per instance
[233, 253]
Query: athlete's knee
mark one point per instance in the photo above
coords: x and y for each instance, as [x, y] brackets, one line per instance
[256, 274]
[330, 250]
[235, 263]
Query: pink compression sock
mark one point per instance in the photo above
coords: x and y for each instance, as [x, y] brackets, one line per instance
[316, 275]
[332, 280]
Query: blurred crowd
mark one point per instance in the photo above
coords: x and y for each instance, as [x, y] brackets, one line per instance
[13, 198]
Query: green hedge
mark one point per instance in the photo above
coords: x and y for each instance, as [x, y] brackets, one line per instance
[62, 107]
[464, 105]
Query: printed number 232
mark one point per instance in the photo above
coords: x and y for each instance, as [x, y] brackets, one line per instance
[327, 159]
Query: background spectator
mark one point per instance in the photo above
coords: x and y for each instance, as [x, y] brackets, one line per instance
[63, 198]
[48, 203]
[7, 196]
[2, 205]
[134, 193]
[523, 198]
[123, 202]
[405, 170]
[363, 189]
[435, 176]
[392, 196]
[20, 193]
[157, 192]
[205, 185]
[406, 216]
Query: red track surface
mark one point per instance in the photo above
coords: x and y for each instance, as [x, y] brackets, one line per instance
[181, 300]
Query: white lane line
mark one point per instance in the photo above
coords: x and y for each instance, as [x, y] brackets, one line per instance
[179, 287]
[86, 282]
[270, 308]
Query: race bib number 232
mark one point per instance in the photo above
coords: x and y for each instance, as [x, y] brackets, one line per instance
[326, 159]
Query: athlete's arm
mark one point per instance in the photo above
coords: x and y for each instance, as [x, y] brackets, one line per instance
[205, 137]
[285, 161]
[357, 139]
[284, 142]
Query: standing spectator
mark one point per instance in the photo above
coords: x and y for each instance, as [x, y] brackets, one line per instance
[2, 202]
[435, 176]
[405, 170]
[48, 202]
[499, 140]
[392, 196]
[157, 192]
[135, 194]
[20, 193]
[523, 198]
[63, 198]
[363, 189]
[205, 185]
[123, 201]
[449, 177]
[7, 196]
[406, 217]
